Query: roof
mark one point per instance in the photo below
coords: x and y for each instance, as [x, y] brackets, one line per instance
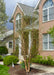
[6, 34]
[27, 10]
[9, 33]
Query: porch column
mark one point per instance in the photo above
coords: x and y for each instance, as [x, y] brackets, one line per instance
[29, 42]
[19, 45]
[13, 35]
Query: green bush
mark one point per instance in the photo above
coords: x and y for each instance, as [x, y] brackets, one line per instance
[45, 61]
[1, 58]
[37, 59]
[9, 59]
[49, 60]
[3, 50]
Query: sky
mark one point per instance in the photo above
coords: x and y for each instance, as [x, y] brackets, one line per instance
[10, 5]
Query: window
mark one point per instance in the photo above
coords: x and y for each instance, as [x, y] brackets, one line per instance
[47, 42]
[18, 21]
[51, 13]
[10, 44]
[45, 17]
[48, 11]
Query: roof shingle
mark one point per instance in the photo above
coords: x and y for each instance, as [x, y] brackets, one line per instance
[28, 10]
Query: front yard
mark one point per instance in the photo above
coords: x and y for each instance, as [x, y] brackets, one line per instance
[17, 70]
[35, 70]
[39, 65]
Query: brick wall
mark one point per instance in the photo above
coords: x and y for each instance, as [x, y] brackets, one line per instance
[43, 28]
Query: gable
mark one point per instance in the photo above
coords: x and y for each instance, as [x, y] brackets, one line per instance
[17, 11]
[25, 9]
[17, 7]
[28, 10]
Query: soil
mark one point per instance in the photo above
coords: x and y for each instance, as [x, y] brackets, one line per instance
[17, 70]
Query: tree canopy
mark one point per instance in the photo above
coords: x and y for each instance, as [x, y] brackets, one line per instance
[3, 15]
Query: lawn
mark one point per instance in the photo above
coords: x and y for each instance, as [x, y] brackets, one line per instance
[4, 70]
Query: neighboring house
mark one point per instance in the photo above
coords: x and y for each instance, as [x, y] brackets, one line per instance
[17, 19]
[6, 39]
[46, 21]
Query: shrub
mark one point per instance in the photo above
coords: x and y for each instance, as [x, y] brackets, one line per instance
[1, 58]
[3, 50]
[39, 59]
[49, 60]
[44, 61]
[9, 59]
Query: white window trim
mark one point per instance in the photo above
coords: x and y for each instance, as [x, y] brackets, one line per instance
[48, 45]
[12, 44]
[47, 13]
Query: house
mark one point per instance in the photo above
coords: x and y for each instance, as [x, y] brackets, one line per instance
[6, 39]
[46, 21]
[45, 9]
[19, 23]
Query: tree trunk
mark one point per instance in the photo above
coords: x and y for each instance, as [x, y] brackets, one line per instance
[27, 64]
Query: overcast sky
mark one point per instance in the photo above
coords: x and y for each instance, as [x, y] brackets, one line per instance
[10, 4]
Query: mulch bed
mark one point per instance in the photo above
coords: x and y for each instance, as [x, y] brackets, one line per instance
[19, 71]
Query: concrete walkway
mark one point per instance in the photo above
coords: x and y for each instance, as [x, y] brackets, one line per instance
[1, 63]
[48, 70]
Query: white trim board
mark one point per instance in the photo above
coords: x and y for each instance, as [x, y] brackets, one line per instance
[17, 4]
[37, 4]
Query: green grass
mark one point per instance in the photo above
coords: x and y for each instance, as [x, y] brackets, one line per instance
[4, 70]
